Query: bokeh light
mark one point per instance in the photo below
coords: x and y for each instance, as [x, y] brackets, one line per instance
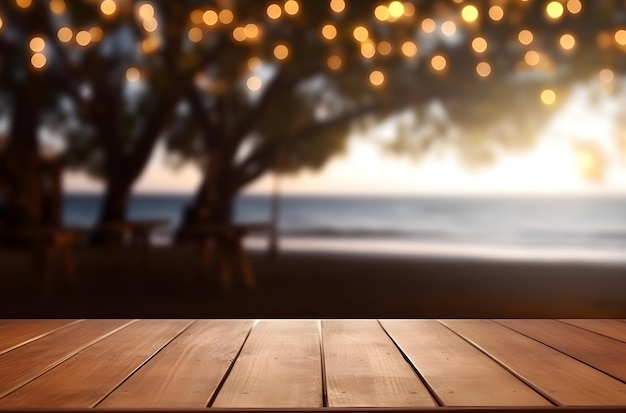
[226, 16]
[409, 49]
[469, 13]
[496, 13]
[38, 60]
[337, 6]
[274, 11]
[383, 48]
[281, 52]
[428, 25]
[548, 97]
[525, 37]
[483, 69]
[396, 9]
[360, 33]
[292, 7]
[334, 62]
[65, 34]
[574, 6]
[210, 18]
[606, 75]
[479, 44]
[567, 41]
[37, 44]
[254, 83]
[438, 62]
[554, 9]
[195, 34]
[329, 31]
[377, 78]
[448, 28]
[108, 7]
[133, 74]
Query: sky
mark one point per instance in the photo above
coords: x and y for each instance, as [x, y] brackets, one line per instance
[577, 154]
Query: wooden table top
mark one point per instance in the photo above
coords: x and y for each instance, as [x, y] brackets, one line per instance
[416, 365]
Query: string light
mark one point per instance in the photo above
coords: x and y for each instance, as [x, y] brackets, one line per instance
[37, 44]
[1, 22]
[409, 49]
[469, 13]
[377, 78]
[226, 16]
[254, 63]
[108, 7]
[383, 48]
[65, 34]
[334, 62]
[254, 83]
[548, 97]
[133, 74]
[281, 52]
[292, 7]
[274, 11]
[554, 10]
[574, 6]
[532, 58]
[195, 34]
[496, 13]
[210, 17]
[337, 5]
[606, 75]
[150, 45]
[24, 4]
[567, 41]
[57, 6]
[368, 49]
[525, 37]
[409, 9]
[620, 37]
[381, 13]
[438, 62]
[239, 34]
[428, 25]
[360, 33]
[448, 28]
[96, 34]
[83, 38]
[479, 44]
[396, 9]
[195, 16]
[150, 24]
[146, 11]
[329, 31]
[483, 69]
[38, 60]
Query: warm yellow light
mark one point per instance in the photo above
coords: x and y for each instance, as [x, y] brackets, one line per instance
[226, 16]
[57, 6]
[337, 5]
[368, 49]
[281, 52]
[483, 69]
[133, 74]
[448, 28]
[409, 49]
[252, 30]
[567, 41]
[606, 75]
[209, 17]
[195, 16]
[377, 78]
[396, 9]
[428, 25]
[24, 4]
[574, 6]
[83, 38]
[150, 24]
[329, 31]
[554, 9]
[496, 13]
[150, 45]
[532, 58]
[620, 37]
[384, 48]
[65, 34]
[334, 62]
[438, 62]
[479, 44]
[381, 12]
[38, 60]
[1, 22]
[548, 97]
[254, 83]
[292, 7]
[96, 34]
[589, 162]
[360, 33]
[525, 37]
[195, 34]
[254, 63]
[239, 34]
[409, 9]
[37, 44]
[108, 7]
[274, 11]
[146, 11]
[604, 39]
[469, 13]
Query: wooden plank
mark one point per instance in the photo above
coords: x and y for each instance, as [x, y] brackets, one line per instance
[14, 333]
[557, 376]
[279, 366]
[365, 369]
[601, 352]
[31, 360]
[91, 374]
[458, 373]
[610, 328]
[186, 373]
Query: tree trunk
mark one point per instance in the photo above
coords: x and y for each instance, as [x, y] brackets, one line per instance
[114, 207]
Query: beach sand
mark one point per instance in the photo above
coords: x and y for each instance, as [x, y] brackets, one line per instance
[125, 283]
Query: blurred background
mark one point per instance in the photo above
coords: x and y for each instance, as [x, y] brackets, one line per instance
[441, 130]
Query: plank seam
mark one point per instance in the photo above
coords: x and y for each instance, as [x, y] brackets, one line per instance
[30, 340]
[562, 352]
[219, 386]
[323, 361]
[406, 358]
[591, 331]
[545, 395]
[107, 394]
[65, 358]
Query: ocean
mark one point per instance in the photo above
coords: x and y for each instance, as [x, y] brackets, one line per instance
[538, 229]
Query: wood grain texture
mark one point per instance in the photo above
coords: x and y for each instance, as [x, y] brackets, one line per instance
[456, 371]
[279, 366]
[563, 379]
[185, 373]
[30, 360]
[91, 374]
[610, 328]
[601, 352]
[365, 369]
[14, 333]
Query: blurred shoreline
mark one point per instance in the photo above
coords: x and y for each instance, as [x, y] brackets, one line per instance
[118, 283]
